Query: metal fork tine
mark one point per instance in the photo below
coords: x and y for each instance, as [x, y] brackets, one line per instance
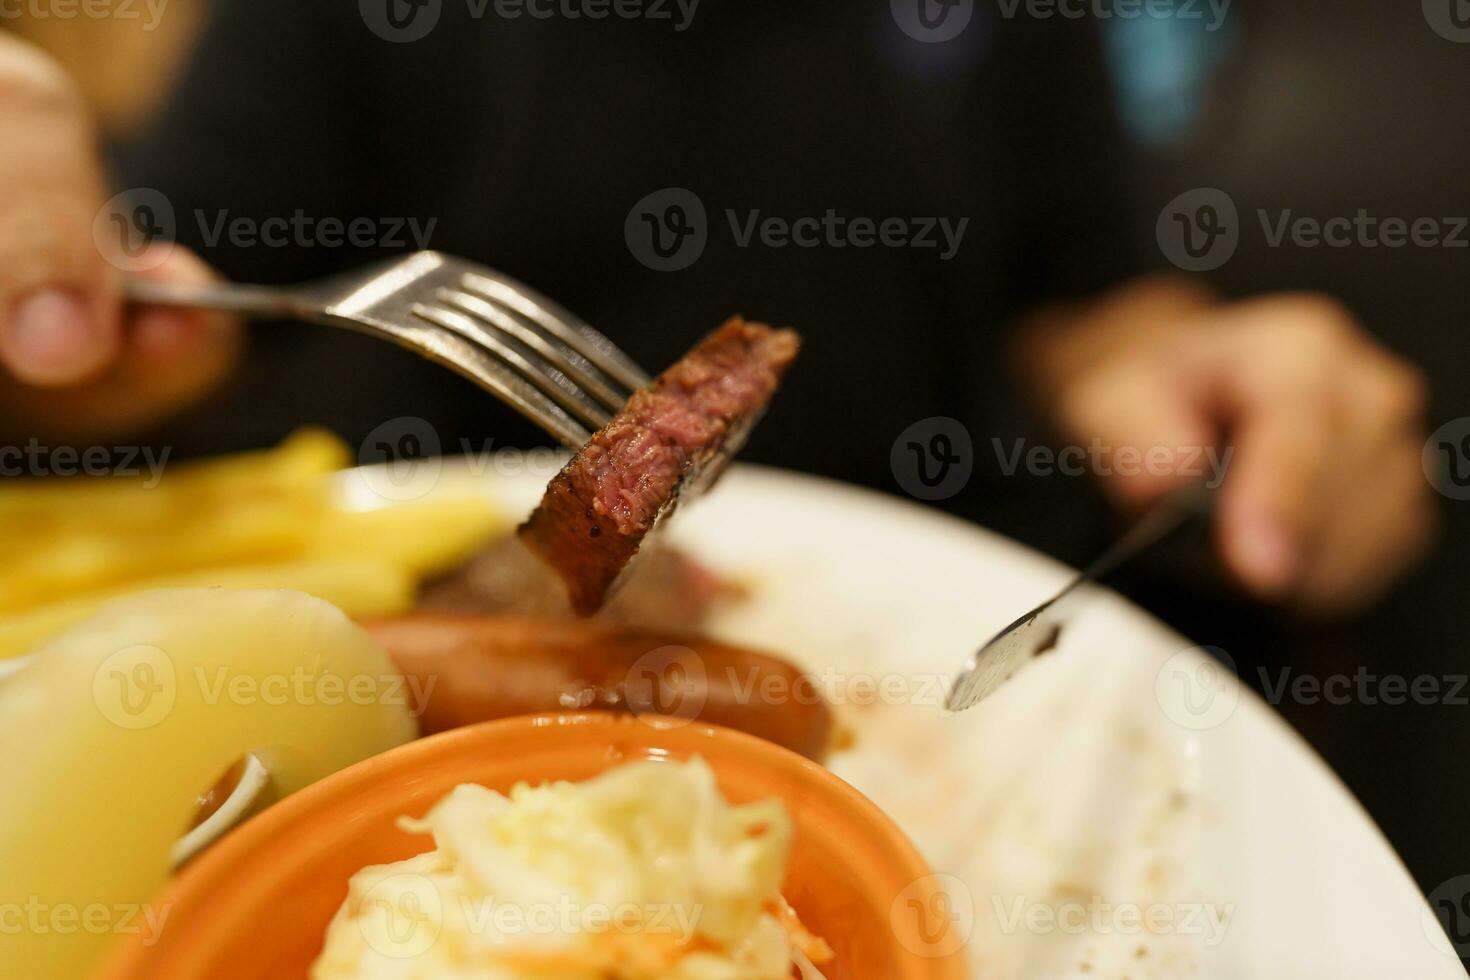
[551, 381]
[527, 388]
[558, 322]
[582, 374]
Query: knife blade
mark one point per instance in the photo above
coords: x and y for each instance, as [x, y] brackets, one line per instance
[1036, 632]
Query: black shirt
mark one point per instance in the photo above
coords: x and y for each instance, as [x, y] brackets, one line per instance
[527, 142]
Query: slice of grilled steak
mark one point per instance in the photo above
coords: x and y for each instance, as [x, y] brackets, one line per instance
[671, 439]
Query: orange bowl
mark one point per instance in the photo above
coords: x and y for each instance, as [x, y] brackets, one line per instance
[257, 905]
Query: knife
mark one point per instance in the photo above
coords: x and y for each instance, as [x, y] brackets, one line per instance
[1039, 630]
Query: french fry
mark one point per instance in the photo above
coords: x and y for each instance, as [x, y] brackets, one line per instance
[259, 519]
[301, 464]
[427, 536]
[66, 537]
[79, 559]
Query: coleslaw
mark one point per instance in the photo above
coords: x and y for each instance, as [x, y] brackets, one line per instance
[642, 873]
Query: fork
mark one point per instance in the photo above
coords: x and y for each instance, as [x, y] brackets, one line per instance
[515, 343]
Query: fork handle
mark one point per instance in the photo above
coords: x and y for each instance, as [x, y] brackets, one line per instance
[261, 301]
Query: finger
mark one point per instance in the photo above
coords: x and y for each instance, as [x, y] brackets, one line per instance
[1148, 424]
[1381, 517]
[1279, 392]
[58, 296]
[175, 338]
[169, 359]
[1374, 533]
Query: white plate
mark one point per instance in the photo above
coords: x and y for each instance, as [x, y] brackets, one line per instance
[1123, 775]
[1124, 808]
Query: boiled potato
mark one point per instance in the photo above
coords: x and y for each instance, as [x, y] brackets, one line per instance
[360, 588]
[116, 727]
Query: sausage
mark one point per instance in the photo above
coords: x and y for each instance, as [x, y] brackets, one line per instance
[467, 668]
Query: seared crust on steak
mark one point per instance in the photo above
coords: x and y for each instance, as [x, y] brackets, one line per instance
[672, 438]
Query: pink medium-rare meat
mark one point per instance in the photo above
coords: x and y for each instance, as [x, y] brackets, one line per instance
[672, 438]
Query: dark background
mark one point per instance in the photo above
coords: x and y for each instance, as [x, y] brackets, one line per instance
[1328, 109]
